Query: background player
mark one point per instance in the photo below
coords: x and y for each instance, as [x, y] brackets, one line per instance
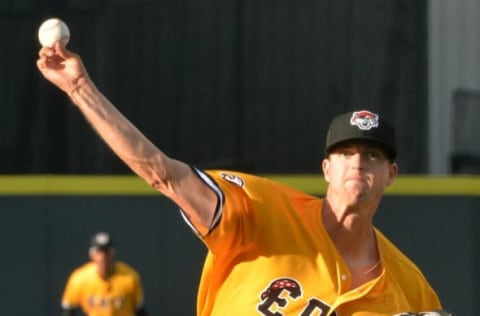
[274, 250]
[103, 286]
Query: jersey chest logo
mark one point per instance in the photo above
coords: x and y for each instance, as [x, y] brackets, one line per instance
[101, 302]
[281, 292]
[276, 297]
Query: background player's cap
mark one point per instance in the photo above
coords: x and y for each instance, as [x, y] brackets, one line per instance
[362, 125]
[101, 240]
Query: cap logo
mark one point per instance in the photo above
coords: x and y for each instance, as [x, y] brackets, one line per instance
[102, 238]
[364, 120]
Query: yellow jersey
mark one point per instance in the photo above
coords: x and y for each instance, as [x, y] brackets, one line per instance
[119, 295]
[269, 254]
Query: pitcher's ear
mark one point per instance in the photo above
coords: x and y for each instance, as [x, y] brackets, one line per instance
[325, 169]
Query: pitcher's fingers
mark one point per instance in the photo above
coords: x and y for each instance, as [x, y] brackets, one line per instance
[42, 64]
[46, 52]
[61, 50]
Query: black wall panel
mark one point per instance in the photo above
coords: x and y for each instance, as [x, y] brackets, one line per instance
[249, 84]
[43, 238]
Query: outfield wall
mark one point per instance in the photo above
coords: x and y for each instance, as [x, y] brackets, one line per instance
[47, 221]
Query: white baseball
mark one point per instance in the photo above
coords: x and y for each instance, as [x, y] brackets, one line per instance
[53, 30]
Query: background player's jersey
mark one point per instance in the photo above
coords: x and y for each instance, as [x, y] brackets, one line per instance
[119, 295]
[269, 254]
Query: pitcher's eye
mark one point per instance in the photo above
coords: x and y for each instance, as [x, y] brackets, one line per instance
[374, 154]
[346, 152]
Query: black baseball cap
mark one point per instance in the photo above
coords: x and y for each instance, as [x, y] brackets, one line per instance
[101, 241]
[362, 125]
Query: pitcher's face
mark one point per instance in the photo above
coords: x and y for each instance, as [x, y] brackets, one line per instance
[358, 171]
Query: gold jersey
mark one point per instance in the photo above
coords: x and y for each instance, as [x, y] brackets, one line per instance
[119, 295]
[269, 254]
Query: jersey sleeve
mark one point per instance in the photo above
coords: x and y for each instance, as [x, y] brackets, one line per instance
[71, 295]
[242, 209]
[416, 287]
